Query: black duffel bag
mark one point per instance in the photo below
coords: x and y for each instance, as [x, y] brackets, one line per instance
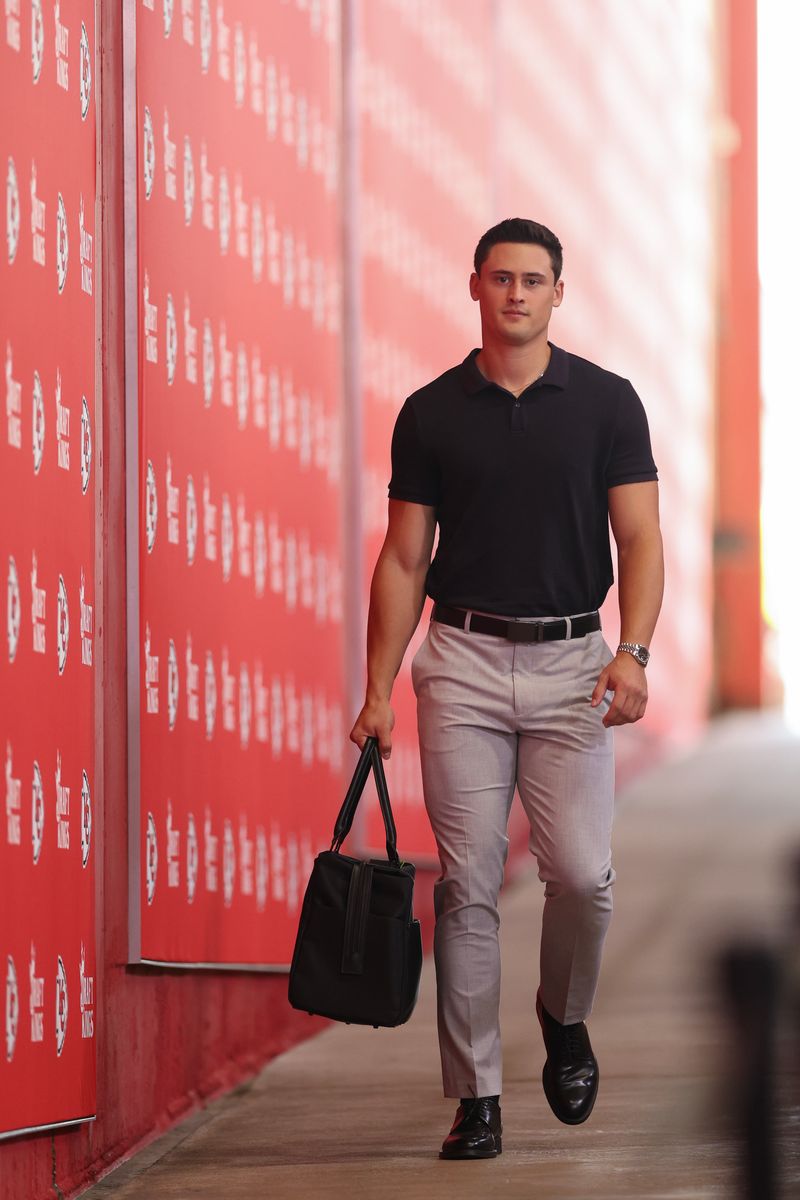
[358, 953]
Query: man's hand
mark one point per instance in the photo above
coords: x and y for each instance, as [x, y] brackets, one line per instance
[626, 679]
[376, 719]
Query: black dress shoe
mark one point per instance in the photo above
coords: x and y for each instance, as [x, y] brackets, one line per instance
[571, 1075]
[477, 1130]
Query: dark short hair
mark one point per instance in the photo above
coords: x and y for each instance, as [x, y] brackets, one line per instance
[518, 229]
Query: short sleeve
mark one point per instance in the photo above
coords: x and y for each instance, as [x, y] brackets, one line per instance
[631, 458]
[415, 475]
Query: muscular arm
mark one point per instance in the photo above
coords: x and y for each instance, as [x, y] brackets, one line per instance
[633, 509]
[397, 596]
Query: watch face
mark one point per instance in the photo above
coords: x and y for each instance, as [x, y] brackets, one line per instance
[642, 656]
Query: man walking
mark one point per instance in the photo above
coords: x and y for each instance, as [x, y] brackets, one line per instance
[521, 454]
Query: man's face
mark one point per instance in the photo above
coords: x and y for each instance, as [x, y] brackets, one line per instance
[516, 292]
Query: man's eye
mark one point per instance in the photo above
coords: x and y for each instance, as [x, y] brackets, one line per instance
[533, 282]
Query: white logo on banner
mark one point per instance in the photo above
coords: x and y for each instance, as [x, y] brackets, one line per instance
[86, 73]
[62, 627]
[228, 694]
[173, 851]
[13, 402]
[150, 673]
[13, 25]
[208, 363]
[187, 13]
[192, 858]
[205, 35]
[225, 367]
[241, 216]
[13, 802]
[62, 808]
[245, 858]
[150, 505]
[189, 342]
[209, 521]
[62, 1005]
[62, 50]
[288, 268]
[262, 727]
[37, 38]
[210, 854]
[259, 389]
[276, 718]
[171, 339]
[260, 554]
[239, 66]
[290, 574]
[86, 819]
[36, 992]
[192, 683]
[85, 253]
[245, 705]
[242, 385]
[13, 609]
[12, 1008]
[228, 864]
[38, 423]
[37, 812]
[172, 684]
[86, 445]
[173, 507]
[191, 521]
[87, 998]
[62, 426]
[151, 858]
[206, 190]
[275, 555]
[62, 244]
[223, 45]
[257, 240]
[170, 162]
[148, 153]
[256, 76]
[224, 211]
[273, 104]
[292, 705]
[262, 869]
[292, 873]
[210, 695]
[150, 324]
[188, 180]
[277, 857]
[168, 8]
[12, 211]
[243, 537]
[302, 131]
[87, 625]
[37, 221]
[226, 535]
[38, 609]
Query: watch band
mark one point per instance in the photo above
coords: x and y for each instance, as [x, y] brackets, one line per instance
[639, 652]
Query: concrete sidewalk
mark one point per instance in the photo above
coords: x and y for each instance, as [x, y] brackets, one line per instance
[702, 848]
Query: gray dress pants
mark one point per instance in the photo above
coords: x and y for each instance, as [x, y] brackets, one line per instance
[494, 715]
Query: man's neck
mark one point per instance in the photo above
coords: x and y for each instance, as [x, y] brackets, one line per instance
[514, 367]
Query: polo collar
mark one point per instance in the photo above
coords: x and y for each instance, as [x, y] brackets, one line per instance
[556, 375]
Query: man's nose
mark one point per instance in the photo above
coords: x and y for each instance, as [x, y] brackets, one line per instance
[515, 290]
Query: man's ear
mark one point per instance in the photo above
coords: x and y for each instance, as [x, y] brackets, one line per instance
[558, 293]
[473, 285]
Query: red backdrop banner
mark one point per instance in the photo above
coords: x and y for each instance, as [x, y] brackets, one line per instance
[235, 565]
[47, 552]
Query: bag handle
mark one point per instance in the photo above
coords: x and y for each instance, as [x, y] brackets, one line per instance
[370, 758]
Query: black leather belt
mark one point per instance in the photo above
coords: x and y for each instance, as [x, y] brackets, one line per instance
[518, 631]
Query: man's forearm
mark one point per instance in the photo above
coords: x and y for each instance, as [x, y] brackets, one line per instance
[641, 587]
[397, 597]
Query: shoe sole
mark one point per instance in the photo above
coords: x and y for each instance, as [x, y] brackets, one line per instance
[477, 1153]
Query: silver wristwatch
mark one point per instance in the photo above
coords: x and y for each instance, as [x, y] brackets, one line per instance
[640, 653]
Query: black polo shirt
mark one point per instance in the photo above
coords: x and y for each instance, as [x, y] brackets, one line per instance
[520, 486]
